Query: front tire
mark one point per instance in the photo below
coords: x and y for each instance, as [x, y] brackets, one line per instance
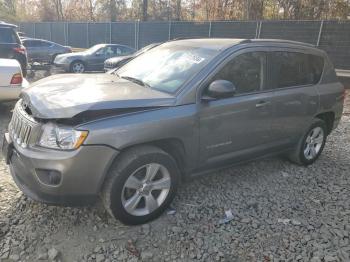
[311, 144]
[140, 185]
[77, 67]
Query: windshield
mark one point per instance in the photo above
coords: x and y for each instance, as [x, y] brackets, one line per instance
[167, 66]
[94, 48]
[144, 49]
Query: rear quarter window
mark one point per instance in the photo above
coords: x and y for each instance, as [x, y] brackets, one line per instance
[295, 69]
[8, 36]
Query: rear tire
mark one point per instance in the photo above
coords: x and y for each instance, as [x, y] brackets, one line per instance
[140, 185]
[311, 145]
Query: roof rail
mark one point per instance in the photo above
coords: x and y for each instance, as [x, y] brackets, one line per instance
[4, 24]
[282, 41]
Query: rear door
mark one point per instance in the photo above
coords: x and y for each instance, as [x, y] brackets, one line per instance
[294, 75]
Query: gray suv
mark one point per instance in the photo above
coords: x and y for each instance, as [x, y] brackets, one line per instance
[183, 108]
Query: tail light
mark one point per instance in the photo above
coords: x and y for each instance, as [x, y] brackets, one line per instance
[17, 79]
[343, 95]
[21, 50]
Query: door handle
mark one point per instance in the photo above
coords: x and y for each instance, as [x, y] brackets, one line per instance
[262, 104]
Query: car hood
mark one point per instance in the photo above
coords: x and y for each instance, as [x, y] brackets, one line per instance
[65, 96]
[118, 59]
[70, 55]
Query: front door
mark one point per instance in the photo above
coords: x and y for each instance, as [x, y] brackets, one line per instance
[96, 60]
[239, 126]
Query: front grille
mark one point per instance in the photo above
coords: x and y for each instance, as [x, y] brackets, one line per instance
[22, 126]
[109, 65]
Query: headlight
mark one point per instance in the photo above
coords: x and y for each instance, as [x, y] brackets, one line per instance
[61, 138]
[61, 59]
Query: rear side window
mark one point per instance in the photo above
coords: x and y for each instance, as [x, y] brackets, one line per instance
[8, 35]
[295, 69]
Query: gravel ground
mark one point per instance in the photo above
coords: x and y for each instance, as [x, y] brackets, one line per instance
[281, 212]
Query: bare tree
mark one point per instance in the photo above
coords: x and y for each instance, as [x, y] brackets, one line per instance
[58, 9]
[144, 10]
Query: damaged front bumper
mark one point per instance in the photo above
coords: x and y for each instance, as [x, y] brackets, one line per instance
[59, 177]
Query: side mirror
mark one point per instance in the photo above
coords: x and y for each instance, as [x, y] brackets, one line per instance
[221, 89]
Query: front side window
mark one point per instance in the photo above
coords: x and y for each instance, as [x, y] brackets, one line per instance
[45, 44]
[28, 43]
[101, 51]
[295, 69]
[95, 49]
[168, 66]
[245, 71]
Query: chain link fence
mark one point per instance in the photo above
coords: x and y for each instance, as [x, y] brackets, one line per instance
[331, 36]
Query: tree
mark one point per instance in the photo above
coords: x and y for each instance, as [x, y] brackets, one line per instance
[120, 10]
[144, 10]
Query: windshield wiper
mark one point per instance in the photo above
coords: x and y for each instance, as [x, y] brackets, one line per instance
[135, 80]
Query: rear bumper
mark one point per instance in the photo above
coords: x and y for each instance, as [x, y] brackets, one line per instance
[8, 93]
[81, 172]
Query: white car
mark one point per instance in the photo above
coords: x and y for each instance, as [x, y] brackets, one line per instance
[11, 80]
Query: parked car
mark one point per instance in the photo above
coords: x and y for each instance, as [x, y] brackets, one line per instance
[11, 46]
[21, 34]
[183, 108]
[92, 59]
[43, 51]
[11, 80]
[119, 61]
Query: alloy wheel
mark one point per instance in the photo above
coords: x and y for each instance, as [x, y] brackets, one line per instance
[313, 143]
[78, 67]
[146, 189]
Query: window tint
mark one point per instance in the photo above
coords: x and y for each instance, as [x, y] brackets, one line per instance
[316, 64]
[32, 43]
[116, 50]
[295, 69]
[7, 35]
[100, 51]
[245, 71]
[27, 43]
[125, 50]
[45, 44]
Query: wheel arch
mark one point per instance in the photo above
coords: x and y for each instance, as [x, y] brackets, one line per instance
[173, 146]
[328, 118]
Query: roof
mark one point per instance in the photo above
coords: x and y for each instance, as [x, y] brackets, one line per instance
[223, 43]
[210, 43]
[3, 24]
